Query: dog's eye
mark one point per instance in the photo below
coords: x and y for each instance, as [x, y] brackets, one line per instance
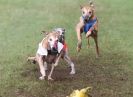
[83, 12]
[50, 39]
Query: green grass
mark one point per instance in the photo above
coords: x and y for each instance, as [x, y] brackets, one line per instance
[21, 22]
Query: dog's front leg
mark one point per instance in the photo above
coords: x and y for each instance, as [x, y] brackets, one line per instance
[53, 65]
[51, 72]
[45, 66]
[79, 36]
[42, 69]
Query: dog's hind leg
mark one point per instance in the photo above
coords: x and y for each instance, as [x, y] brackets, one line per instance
[72, 68]
[33, 59]
[97, 48]
[88, 43]
[68, 60]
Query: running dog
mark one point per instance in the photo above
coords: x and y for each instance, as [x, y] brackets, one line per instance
[88, 24]
[50, 50]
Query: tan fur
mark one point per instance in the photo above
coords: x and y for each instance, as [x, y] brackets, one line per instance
[79, 27]
[53, 59]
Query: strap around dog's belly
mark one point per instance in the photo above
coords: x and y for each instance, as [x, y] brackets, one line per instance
[52, 52]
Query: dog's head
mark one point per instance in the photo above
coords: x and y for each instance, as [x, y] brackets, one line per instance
[87, 11]
[52, 39]
[61, 32]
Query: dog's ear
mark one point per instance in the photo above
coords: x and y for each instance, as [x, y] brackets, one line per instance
[81, 6]
[91, 4]
[57, 33]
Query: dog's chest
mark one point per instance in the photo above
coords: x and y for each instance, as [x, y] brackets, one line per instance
[50, 59]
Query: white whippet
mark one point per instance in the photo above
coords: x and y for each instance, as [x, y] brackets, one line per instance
[50, 50]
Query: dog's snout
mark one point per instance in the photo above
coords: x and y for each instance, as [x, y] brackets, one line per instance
[57, 40]
[88, 14]
[55, 44]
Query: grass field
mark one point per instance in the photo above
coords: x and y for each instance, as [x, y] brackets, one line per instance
[21, 23]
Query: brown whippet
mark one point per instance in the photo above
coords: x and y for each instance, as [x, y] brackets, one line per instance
[88, 24]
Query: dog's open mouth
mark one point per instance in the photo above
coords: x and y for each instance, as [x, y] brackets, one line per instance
[54, 49]
[86, 19]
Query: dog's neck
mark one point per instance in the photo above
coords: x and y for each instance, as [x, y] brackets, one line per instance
[90, 19]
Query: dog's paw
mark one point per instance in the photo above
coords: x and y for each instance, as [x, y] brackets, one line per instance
[79, 44]
[72, 72]
[78, 49]
[42, 78]
[89, 46]
[50, 78]
[97, 56]
[55, 64]
[28, 59]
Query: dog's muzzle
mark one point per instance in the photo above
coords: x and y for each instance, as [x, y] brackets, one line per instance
[55, 47]
[61, 38]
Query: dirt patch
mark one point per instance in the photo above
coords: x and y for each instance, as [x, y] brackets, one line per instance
[106, 75]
